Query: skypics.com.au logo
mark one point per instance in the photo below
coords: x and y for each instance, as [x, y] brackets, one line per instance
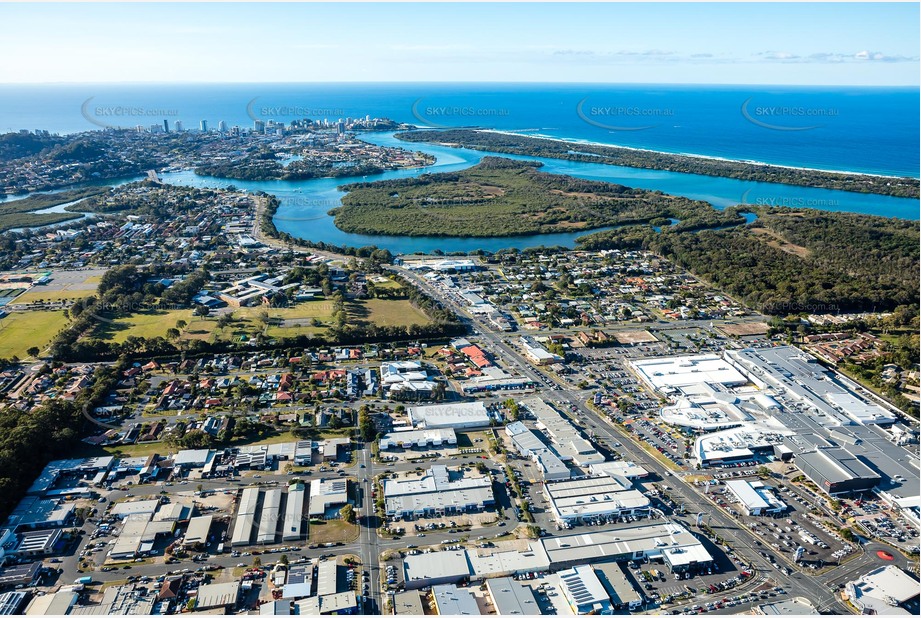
[786, 117]
[621, 117]
[290, 110]
[434, 116]
[787, 201]
[126, 116]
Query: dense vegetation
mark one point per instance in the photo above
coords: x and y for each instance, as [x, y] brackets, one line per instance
[18, 145]
[645, 159]
[503, 197]
[28, 441]
[793, 261]
[20, 213]
[259, 168]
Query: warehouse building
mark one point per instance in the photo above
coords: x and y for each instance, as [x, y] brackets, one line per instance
[246, 517]
[419, 438]
[436, 493]
[197, 533]
[214, 596]
[123, 510]
[623, 594]
[55, 604]
[129, 540]
[407, 603]
[441, 567]
[594, 499]
[684, 374]
[836, 471]
[268, 520]
[294, 513]
[38, 543]
[12, 603]
[584, 592]
[17, 574]
[566, 441]
[511, 598]
[528, 444]
[755, 498]
[449, 415]
[130, 600]
[34, 513]
[453, 601]
[627, 469]
[667, 541]
[327, 496]
[887, 591]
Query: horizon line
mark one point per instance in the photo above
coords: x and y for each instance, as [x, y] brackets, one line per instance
[453, 83]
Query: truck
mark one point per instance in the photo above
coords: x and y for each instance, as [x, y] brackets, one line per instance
[84, 580]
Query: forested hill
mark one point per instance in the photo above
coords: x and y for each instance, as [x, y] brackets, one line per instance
[796, 260]
[647, 159]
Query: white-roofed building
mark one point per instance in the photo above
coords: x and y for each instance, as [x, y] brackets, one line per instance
[886, 591]
[327, 495]
[668, 374]
[419, 438]
[270, 516]
[436, 493]
[197, 533]
[246, 517]
[627, 469]
[129, 540]
[511, 598]
[679, 549]
[137, 507]
[566, 441]
[755, 497]
[537, 353]
[449, 415]
[528, 444]
[453, 601]
[584, 592]
[293, 529]
[193, 458]
[594, 499]
[212, 596]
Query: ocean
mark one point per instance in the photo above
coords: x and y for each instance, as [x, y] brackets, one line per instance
[867, 130]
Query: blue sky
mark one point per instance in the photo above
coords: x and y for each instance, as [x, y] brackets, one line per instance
[771, 43]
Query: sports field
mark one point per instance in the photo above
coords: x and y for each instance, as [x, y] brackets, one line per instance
[20, 330]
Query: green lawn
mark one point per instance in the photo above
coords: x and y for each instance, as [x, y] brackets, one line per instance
[282, 322]
[332, 531]
[147, 324]
[388, 312]
[36, 294]
[20, 330]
